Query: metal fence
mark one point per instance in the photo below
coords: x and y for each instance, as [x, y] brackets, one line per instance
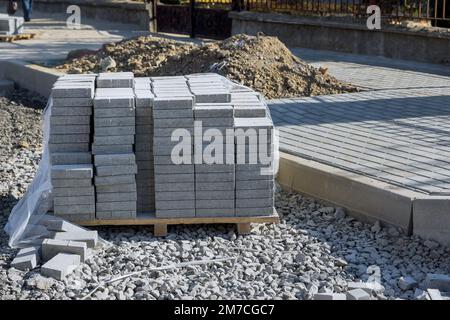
[434, 10]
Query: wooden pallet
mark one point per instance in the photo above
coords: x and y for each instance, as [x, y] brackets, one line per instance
[160, 224]
[15, 37]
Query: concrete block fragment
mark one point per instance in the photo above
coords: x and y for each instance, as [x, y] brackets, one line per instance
[71, 111]
[112, 149]
[175, 213]
[131, 187]
[61, 210]
[69, 103]
[73, 191]
[114, 159]
[117, 206]
[74, 120]
[74, 200]
[70, 158]
[222, 212]
[71, 171]
[357, 294]
[88, 237]
[174, 187]
[176, 204]
[114, 131]
[60, 266]
[330, 296]
[27, 258]
[216, 204]
[112, 180]
[116, 170]
[116, 196]
[71, 183]
[52, 247]
[113, 112]
[114, 122]
[437, 281]
[68, 147]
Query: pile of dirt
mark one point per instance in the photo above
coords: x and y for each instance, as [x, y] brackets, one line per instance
[261, 62]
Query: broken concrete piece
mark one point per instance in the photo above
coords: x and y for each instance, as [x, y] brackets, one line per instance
[435, 294]
[60, 265]
[27, 258]
[51, 247]
[421, 295]
[357, 294]
[369, 287]
[89, 237]
[407, 283]
[330, 296]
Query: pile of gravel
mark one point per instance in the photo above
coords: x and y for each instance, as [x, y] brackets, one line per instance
[261, 62]
[314, 248]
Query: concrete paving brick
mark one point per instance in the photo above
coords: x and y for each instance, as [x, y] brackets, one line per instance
[103, 215]
[114, 159]
[214, 177]
[27, 258]
[68, 147]
[172, 114]
[113, 112]
[258, 123]
[71, 102]
[52, 247]
[117, 206]
[167, 132]
[60, 266]
[182, 168]
[73, 191]
[167, 178]
[130, 187]
[214, 195]
[172, 103]
[74, 209]
[163, 160]
[71, 183]
[254, 203]
[114, 140]
[80, 217]
[174, 123]
[208, 168]
[123, 214]
[111, 149]
[250, 112]
[117, 196]
[74, 120]
[74, 200]
[89, 237]
[73, 90]
[252, 175]
[174, 187]
[330, 296]
[208, 97]
[59, 225]
[115, 80]
[216, 204]
[181, 195]
[249, 167]
[175, 213]
[214, 186]
[216, 122]
[223, 212]
[175, 204]
[71, 111]
[70, 129]
[69, 138]
[213, 111]
[255, 184]
[167, 150]
[116, 170]
[145, 113]
[166, 142]
[71, 171]
[254, 194]
[113, 180]
[357, 294]
[114, 131]
[117, 102]
[114, 122]
[246, 212]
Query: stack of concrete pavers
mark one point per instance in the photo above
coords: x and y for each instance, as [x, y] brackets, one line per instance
[11, 25]
[254, 175]
[69, 146]
[145, 178]
[214, 167]
[114, 159]
[174, 176]
[61, 253]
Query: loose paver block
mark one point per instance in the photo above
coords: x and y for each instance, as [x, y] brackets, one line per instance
[89, 237]
[60, 266]
[27, 258]
[51, 247]
[330, 296]
[357, 294]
